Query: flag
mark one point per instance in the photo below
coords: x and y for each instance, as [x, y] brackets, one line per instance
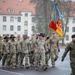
[55, 24]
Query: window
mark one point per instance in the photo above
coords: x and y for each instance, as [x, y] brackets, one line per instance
[74, 20]
[73, 29]
[26, 14]
[19, 19]
[4, 27]
[11, 28]
[26, 32]
[4, 18]
[11, 19]
[33, 19]
[18, 28]
[26, 23]
[67, 37]
[10, 10]
[67, 29]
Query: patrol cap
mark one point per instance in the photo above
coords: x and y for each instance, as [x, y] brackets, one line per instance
[6, 37]
[73, 36]
[25, 36]
[41, 34]
[12, 36]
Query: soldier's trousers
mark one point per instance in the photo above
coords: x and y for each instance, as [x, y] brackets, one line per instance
[40, 58]
[26, 59]
[31, 58]
[0, 55]
[54, 55]
[72, 64]
[13, 59]
[18, 58]
[6, 59]
[47, 58]
[22, 58]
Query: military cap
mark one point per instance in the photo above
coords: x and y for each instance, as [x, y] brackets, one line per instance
[25, 36]
[12, 36]
[6, 37]
[41, 34]
[73, 36]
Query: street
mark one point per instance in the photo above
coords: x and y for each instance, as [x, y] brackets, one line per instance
[62, 68]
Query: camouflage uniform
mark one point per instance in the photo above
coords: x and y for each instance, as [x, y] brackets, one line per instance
[13, 48]
[25, 52]
[31, 51]
[54, 46]
[70, 47]
[19, 52]
[47, 51]
[5, 52]
[40, 53]
[0, 48]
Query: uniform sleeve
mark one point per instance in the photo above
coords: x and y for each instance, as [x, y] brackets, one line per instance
[3, 47]
[58, 44]
[67, 49]
[45, 46]
[49, 44]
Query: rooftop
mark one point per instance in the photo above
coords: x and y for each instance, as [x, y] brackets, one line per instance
[16, 6]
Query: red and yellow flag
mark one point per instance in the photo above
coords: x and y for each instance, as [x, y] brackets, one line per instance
[57, 27]
[55, 24]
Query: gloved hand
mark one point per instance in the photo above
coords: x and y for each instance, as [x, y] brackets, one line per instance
[0, 56]
[58, 50]
[49, 50]
[32, 52]
[62, 60]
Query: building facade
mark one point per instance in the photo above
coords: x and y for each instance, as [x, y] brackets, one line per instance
[70, 30]
[16, 17]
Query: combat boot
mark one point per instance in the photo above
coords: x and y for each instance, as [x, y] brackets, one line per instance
[14, 67]
[56, 59]
[44, 67]
[7, 67]
[31, 65]
[21, 66]
[53, 65]
[2, 66]
[36, 68]
[26, 66]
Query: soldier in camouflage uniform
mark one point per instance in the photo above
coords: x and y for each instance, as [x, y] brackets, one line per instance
[25, 50]
[13, 48]
[5, 52]
[32, 48]
[0, 47]
[47, 44]
[54, 47]
[40, 52]
[71, 47]
[19, 51]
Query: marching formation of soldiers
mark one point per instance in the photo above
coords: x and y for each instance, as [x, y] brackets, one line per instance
[34, 52]
[29, 52]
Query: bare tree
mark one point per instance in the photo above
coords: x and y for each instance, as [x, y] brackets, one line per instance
[44, 10]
